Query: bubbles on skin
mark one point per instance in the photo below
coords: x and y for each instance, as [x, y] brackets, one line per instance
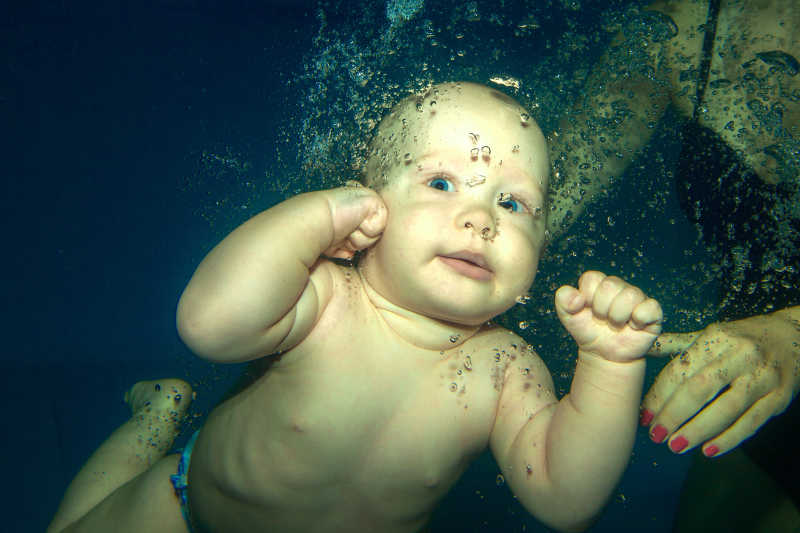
[524, 120]
[473, 153]
[453, 387]
[486, 152]
[476, 179]
[407, 158]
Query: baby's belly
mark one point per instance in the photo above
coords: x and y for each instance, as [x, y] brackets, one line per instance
[325, 471]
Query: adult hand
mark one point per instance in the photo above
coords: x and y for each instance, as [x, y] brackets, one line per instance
[754, 363]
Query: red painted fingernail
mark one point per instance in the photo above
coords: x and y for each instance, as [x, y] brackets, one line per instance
[678, 443]
[646, 418]
[711, 451]
[658, 434]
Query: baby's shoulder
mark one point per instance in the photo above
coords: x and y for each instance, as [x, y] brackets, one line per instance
[503, 347]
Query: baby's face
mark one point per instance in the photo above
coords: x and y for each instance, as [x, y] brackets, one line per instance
[466, 208]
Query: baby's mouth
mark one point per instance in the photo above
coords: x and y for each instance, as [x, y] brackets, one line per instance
[468, 264]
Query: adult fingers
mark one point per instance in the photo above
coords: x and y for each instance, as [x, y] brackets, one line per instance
[747, 424]
[687, 383]
[723, 413]
[668, 344]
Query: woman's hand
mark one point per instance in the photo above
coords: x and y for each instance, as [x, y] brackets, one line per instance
[750, 368]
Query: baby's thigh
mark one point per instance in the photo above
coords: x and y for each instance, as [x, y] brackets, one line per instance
[145, 503]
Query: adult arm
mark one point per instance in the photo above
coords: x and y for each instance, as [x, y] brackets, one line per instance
[623, 99]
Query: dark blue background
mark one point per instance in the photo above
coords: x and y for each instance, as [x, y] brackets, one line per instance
[104, 111]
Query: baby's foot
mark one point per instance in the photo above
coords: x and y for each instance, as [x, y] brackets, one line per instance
[158, 408]
[159, 395]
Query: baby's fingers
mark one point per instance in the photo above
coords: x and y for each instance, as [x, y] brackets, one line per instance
[358, 240]
[569, 300]
[623, 303]
[647, 316]
[375, 222]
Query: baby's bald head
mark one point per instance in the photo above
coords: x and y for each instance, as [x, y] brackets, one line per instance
[410, 129]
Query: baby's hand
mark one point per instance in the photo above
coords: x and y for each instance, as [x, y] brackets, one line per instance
[608, 317]
[359, 217]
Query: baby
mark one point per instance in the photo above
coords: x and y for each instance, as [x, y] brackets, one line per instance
[386, 378]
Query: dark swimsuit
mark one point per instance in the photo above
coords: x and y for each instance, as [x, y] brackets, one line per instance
[760, 266]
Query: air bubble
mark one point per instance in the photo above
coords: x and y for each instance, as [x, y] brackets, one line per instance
[473, 154]
[524, 118]
[407, 158]
[453, 387]
[515, 149]
[454, 338]
[477, 179]
[500, 480]
[468, 363]
[486, 151]
[523, 299]
[524, 324]
[433, 105]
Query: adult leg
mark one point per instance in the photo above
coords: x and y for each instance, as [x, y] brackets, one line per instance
[732, 494]
[158, 408]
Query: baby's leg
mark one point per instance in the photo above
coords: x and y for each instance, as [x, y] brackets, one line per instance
[158, 408]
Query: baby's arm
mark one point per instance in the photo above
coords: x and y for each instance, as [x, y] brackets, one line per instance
[563, 460]
[262, 289]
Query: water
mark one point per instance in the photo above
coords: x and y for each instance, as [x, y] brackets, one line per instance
[139, 136]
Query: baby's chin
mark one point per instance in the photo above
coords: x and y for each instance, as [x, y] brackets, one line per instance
[476, 317]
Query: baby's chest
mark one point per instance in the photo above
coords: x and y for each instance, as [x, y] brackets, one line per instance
[398, 416]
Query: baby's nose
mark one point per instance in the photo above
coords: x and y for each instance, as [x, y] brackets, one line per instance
[481, 223]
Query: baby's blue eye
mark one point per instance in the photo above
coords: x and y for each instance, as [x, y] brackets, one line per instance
[507, 202]
[441, 184]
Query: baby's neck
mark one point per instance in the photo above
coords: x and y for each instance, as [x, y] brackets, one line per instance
[416, 329]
